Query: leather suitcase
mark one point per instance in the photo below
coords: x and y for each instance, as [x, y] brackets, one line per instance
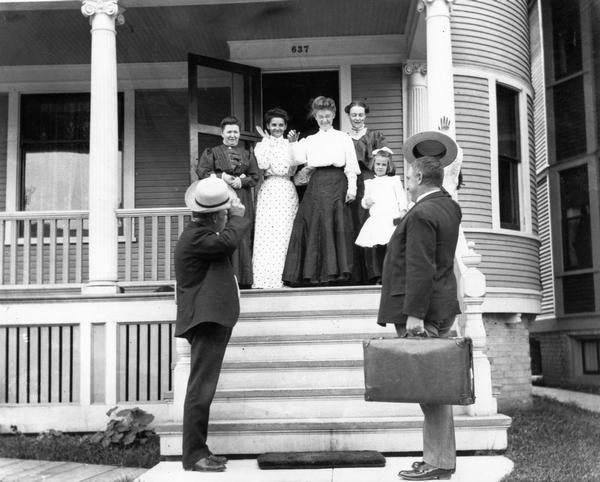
[418, 369]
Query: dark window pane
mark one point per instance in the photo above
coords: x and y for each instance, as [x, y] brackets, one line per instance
[566, 38]
[575, 216]
[590, 352]
[578, 293]
[508, 122]
[508, 174]
[569, 118]
[509, 157]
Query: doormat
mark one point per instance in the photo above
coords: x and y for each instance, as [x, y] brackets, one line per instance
[320, 460]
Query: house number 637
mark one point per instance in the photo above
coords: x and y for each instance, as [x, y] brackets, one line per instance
[299, 49]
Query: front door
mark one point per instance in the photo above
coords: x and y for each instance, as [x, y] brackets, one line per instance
[217, 89]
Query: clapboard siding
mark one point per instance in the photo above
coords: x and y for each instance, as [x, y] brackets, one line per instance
[162, 161]
[539, 88]
[492, 34]
[3, 135]
[380, 86]
[507, 261]
[473, 135]
[532, 169]
[545, 253]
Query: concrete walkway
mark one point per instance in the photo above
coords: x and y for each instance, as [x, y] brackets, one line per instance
[18, 470]
[468, 469]
[588, 401]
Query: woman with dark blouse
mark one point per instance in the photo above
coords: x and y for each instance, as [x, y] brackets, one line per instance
[237, 167]
[365, 266]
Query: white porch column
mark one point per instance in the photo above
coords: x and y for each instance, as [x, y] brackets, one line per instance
[440, 83]
[181, 373]
[415, 74]
[103, 168]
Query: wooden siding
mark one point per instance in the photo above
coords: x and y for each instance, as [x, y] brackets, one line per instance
[539, 88]
[532, 170]
[3, 137]
[507, 261]
[492, 34]
[473, 135]
[162, 161]
[546, 261]
[380, 86]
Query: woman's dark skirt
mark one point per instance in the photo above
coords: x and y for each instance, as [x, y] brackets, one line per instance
[321, 248]
[242, 257]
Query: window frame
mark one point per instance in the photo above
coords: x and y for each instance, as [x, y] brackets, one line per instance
[523, 170]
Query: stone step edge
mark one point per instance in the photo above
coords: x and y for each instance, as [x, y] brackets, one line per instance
[316, 339]
[307, 315]
[287, 393]
[291, 364]
[337, 424]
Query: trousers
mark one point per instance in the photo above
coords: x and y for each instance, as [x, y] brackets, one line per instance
[439, 443]
[209, 341]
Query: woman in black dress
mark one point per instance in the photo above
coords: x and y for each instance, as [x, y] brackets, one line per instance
[366, 268]
[237, 167]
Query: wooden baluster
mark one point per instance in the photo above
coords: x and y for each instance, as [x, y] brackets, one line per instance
[65, 249]
[1, 255]
[474, 289]
[78, 249]
[39, 255]
[52, 257]
[26, 250]
[128, 235]
[154, 239]
[14, 242]
[168, 254]
[141, 247]
[181, 373]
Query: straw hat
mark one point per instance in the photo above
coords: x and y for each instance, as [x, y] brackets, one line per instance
[208, 195]
[431, 144]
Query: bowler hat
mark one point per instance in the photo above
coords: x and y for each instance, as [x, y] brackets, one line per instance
[431, 144]
[208, 195]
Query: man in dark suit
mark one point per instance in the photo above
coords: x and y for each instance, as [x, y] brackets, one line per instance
[207, 306]
[419, 293]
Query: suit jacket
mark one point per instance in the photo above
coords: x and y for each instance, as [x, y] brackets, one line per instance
[418, 269]
[207, 290]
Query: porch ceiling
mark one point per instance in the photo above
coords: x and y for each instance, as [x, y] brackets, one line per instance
[167, 34]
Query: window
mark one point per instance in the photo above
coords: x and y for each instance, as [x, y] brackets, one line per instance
[566, 38]
[590, 354]
[55, 144]
[509, 156]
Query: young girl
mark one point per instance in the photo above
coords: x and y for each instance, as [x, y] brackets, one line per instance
[386, 200]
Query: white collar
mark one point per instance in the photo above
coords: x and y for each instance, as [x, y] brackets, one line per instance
[427, 194]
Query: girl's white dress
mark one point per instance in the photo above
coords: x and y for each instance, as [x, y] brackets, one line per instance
[389, 198]
[276, 208]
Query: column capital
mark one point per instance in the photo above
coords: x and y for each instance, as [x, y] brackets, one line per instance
[89, 8]
[428, 3]
[414, 67]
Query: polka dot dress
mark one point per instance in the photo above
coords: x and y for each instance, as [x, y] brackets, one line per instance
[276, 208]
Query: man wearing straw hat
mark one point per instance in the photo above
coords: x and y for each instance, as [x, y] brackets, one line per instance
[207, 306]
[418, 291]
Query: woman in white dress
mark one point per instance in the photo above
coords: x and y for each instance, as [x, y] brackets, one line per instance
[276, 205]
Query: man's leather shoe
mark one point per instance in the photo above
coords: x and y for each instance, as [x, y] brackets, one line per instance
[419, 464]
[218, 459]
[206, 464]
[426, 472]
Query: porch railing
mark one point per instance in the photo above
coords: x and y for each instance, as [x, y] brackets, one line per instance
[50, 248]
[43, 247]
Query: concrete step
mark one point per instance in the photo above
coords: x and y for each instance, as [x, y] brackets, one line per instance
[292, 374]
[299, 403]
[386, 434]
[294, 350]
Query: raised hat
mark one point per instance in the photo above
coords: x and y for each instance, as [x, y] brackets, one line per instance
[431, 144]
[208, 195]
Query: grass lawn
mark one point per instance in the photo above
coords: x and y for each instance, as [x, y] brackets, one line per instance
[554, 442]
[78, 448]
